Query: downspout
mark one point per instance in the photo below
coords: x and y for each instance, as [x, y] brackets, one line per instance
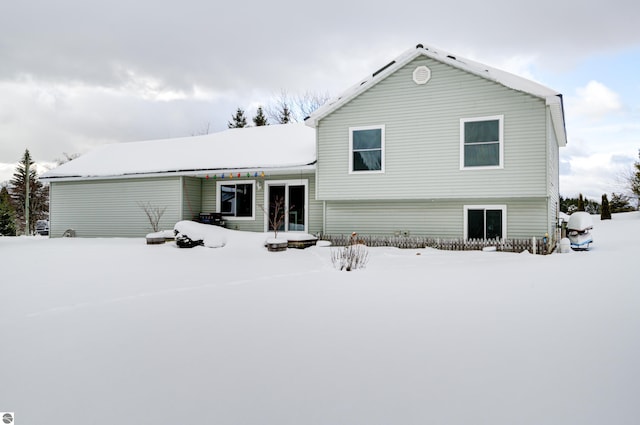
[324, 216]
[182, 198]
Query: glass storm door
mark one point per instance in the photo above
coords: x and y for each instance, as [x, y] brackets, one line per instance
[296, 208]
[287, 207]
[277, 207]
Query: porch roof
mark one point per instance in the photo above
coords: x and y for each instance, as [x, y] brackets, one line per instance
[273, 147]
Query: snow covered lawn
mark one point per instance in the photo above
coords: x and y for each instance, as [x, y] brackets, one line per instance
[104, 331]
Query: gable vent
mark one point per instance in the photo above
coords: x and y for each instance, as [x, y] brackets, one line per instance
[421, 75]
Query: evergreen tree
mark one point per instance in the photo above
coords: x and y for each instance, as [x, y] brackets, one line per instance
[38, 194]
[635, 180]
[238, 120]
[606, 211]
[285, 115]
[7, 214]
[568, 205]
[620, 203]
[580, 203]
[260, 120]
[571, 205]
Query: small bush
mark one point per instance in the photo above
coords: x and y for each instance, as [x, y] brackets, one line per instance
[351, 257]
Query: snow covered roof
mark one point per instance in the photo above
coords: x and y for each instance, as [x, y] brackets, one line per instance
[515, 82]
[286, 146]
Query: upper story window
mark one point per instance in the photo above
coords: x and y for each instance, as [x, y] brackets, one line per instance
[481, 142]
[366, 149]
[236, 199]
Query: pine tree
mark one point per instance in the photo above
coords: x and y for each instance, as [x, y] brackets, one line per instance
[38, 194]
[606, 211]
[238, 120]
[7, 214]
[260, 120]
[285, 115]
[620, 203]
[580, 203]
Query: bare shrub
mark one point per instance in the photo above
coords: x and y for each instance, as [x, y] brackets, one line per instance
[351, 257]
[154, 214]
[279, 211]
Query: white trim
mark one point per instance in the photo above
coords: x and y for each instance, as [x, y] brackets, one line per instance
[253, 201]
[286, 184]
[501, 207]
[500, 119]
[382, 148]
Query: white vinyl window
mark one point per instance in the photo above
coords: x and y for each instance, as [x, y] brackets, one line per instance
[366, 149]
[236, 200]
[485, 221]
[481, 142]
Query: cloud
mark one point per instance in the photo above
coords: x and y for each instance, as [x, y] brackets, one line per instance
[51, 118]
[595, 174]
[594, 101]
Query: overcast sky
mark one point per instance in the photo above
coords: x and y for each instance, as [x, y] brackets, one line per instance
[75, 74]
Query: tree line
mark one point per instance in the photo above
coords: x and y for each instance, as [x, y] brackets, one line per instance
[284, 109]
[617, 204]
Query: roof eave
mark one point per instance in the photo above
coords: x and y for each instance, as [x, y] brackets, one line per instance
[189, 173]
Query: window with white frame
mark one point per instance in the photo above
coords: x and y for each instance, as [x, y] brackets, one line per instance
[236, 199]
[366, 149]
[481, 142]
[485, 221]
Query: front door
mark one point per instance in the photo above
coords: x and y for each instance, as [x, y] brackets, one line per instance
[287, 206]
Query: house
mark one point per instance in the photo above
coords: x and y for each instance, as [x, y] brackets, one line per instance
[431, 144]
[237, 172]
[438, 145]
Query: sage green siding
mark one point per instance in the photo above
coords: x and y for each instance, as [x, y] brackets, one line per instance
[422, 143]
[98, 208]
[258, 224]
[436, 218]
[423, 189]
[191, 197]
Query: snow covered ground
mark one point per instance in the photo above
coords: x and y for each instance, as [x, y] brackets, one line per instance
[105, 331]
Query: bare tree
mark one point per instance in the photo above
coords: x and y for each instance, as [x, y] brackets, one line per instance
[285, 108]
[67, 158]
[204, 130]
[279, 109]
[629, 181]
[309, 102]
[154, 214]
[276, 220]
